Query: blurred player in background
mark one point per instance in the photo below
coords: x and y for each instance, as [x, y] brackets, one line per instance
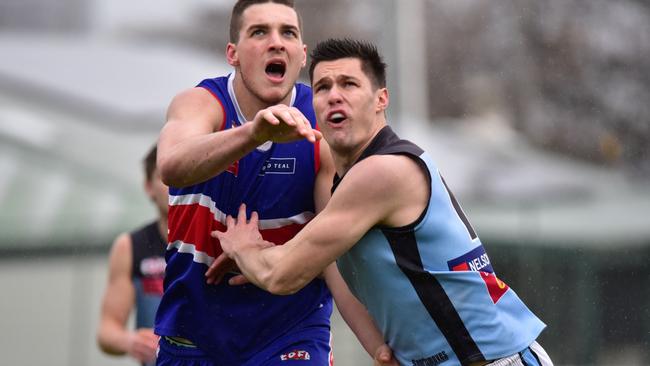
[135, 279]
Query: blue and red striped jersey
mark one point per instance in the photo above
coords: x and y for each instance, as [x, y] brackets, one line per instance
[232, 323]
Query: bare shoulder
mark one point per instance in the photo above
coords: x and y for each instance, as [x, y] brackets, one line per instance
[122, 243]
[387, 171]
[395, 184]
[121, 254]
[193, 96]
[195, 103]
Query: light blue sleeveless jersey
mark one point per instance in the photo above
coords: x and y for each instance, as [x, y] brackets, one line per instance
[430, 286]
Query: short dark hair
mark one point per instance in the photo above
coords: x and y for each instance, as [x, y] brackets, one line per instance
[149, 162]
[242, 5]
[333, 49]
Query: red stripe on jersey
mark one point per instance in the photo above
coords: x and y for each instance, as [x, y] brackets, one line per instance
[152, 286]
[461, 267]
[192, 224]
[495, 286]
[283, 234]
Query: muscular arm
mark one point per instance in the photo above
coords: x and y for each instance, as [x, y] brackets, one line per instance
[119, 298]
[192, 148]
[354, 313]
[373, 193]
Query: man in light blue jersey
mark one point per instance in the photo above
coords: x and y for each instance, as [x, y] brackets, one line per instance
[398, 235]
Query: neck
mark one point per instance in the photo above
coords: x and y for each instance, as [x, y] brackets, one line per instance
[162, 225]
[249, 102]
[344, 160]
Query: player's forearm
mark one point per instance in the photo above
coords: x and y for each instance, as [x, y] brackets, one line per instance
[270, 269]
[354, 313]
[362, 325]
[199, 158]
[112, 338]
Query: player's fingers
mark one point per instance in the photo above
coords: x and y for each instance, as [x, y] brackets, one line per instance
[384, 356]
[241, 215]
[254, 219]
[286, 117]
[230, 221]
[267, 244]
[270, 117]
[215, 272]
[306, 130]
[238, 280]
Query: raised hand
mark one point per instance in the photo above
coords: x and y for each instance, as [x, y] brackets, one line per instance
[281, 123]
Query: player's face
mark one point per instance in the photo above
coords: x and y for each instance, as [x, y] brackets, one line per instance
[158, 192]
[270, 52]
[349, 109]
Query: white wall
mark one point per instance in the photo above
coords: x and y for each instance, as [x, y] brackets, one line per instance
[49, 310]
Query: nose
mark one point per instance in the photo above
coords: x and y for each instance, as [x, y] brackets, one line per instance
[334, 96]
[275, 42]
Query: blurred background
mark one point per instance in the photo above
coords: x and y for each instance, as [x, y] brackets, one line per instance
[536, 111]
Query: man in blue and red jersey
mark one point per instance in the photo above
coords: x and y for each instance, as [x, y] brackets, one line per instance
[248, 137]
[399, 237]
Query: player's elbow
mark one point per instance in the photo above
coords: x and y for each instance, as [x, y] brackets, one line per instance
[105, 345]
[171, 172]
[279, 288]
[283, 283]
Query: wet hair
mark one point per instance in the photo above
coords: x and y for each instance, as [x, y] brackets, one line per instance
[242, 5]
[333, 49]
[149, 162]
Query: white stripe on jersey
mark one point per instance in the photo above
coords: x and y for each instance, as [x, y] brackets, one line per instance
[220, 216]
[199, 256]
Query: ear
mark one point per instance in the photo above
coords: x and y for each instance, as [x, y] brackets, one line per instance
[148, 189]
[231, 54]
[304, 55]
[382, 100]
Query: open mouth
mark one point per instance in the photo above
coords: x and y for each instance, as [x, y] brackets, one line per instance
[276, 70]
[337, 117]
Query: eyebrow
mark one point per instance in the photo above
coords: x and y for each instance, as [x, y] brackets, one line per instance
[268, 26]
[257, 26]
[321, 81]
[290, 27]
[327, 79]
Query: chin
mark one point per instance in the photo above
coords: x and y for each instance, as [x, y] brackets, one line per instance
[276, 96]
[337, 143]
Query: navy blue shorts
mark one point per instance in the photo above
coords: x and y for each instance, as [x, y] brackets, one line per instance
[309, 347]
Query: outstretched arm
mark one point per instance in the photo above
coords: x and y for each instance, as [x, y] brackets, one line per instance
[354, 313]
[373, 193]
[192, 148]
[361, 201]
[356, 316]
[119, 298]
